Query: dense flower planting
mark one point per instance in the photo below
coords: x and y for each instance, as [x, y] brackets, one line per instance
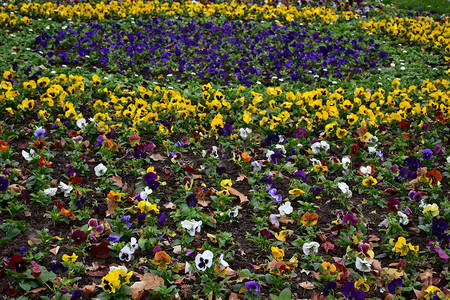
[215, 52]
[156, 150]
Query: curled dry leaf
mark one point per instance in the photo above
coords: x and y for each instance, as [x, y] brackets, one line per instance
[17, 188]
[112, 205]
[36, 290]
[148, 282]
[157, 157]
[117, 180]
[328, 246]
[307, 285]
[241, 177]
[100, 250]
[58, 143]
[55, 250]
[170, 205]
[89, 289]
[235, 192]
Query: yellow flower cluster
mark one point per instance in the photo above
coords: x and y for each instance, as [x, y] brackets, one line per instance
[115, 279]
[139, 108]
[129, 8]
[404, 248]
[423, 30]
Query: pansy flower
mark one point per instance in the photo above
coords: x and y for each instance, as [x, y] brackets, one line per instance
[126, 253]
[439, 226]
[363, 265]
[100, 169]
[191, 200]
[78, 237]
[435, 176]
[39, 133]
[204, 260]
[192, 226]
[311, 247]
[57, 267]
[395, 286]
[309, 219]
[18, 264]
[253, 287]
[70, 258]
[350, 292]
[162, 259]
[427, 154]
[4, 183]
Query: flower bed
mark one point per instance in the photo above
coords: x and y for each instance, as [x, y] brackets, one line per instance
[125, 176]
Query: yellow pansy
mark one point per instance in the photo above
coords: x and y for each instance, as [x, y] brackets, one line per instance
[277, 253]
[146, 206]
[369, 181]
[70, 258]
[296, 192]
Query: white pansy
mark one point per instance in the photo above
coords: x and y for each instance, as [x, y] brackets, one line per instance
[403, 218]
[50, 191]
[126, 254]
[285, 209]
[192, 226]
[100, 169]
[365, 170]
[281, 147]
[28, 156]
[222, 263]
[311, 247]
[244, 132]
[315, 162]
[234, 213]
[204, 260]
[269, 154]
[65, 188]
[214, 152]
[81, 123]
[145, 193]
[363, 265]
[345, 189]
[346, 161]
[371, 150]
[134, 244]
[319, 146]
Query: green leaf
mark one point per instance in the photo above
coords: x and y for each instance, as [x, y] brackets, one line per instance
[25, 286]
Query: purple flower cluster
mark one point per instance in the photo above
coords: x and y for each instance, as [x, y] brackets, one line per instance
[227, 51]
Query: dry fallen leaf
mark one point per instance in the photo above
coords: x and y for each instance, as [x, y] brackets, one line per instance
[117, 180]
[241, 177]
[148, 282]
[307, 285]
[36, 290]
[100, 271]
[170, 205]
[419, 294]
[58, 143]
[235, 192]
[100, 250]
[204, 203]
[17, 188]
[197, 176]
[89, 289]
[157, 157]
[111, 206]
[55, 250]
[361, 130]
